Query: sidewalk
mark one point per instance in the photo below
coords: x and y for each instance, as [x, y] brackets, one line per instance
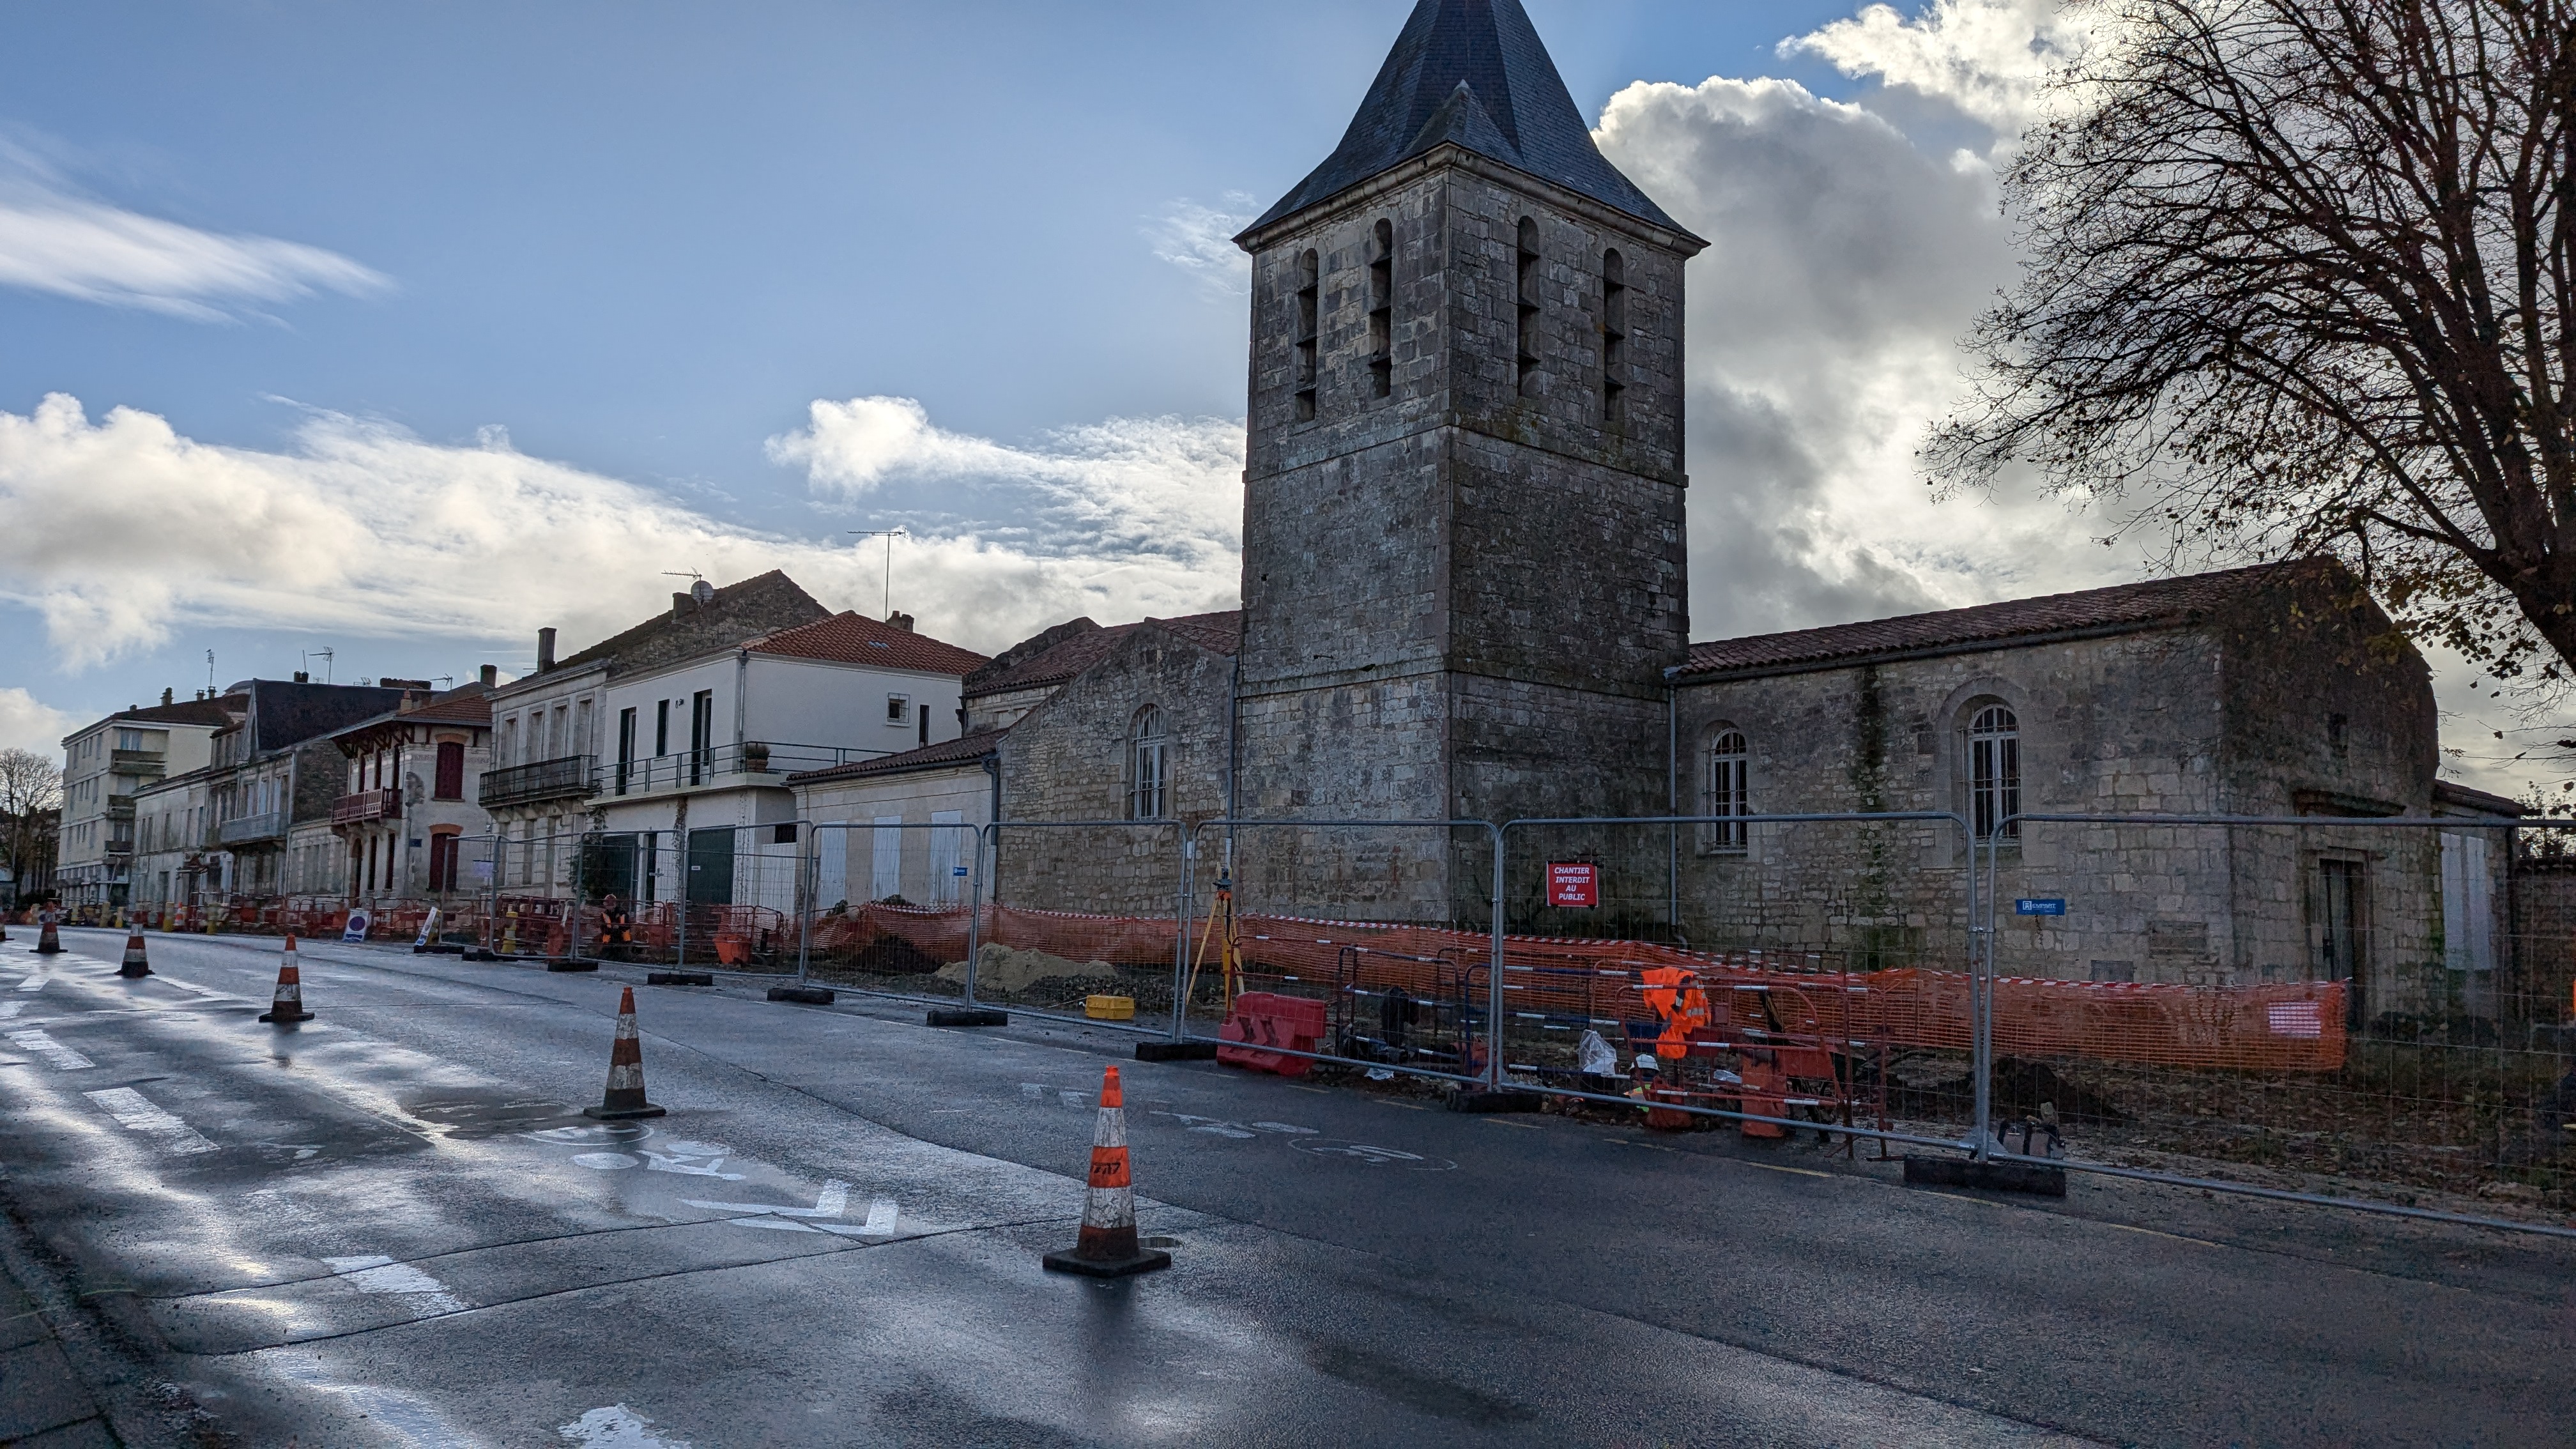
[43, 1404]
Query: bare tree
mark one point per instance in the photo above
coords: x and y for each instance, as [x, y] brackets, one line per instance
[31, 802]
[2299, 281]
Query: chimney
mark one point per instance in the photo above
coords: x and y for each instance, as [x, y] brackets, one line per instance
[681, 603]
[491, 676]
[545, 649]
[900, 620]
[303, 678]
[166, 697]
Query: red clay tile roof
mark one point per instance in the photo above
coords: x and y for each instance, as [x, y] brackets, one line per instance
[964, 750]
[856, 639]
[2123, 608]
[1220, 633]
[462, 707]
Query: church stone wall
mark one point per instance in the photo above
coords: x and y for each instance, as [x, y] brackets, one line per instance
[2196, 720]
[1069, 760]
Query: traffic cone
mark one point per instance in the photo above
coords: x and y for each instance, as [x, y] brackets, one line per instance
[288, 1007]
[48, 942]
[625, 1096]
[135, 966]
[1108, 1246]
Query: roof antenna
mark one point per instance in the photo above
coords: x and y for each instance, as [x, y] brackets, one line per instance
[889, 535]
[325, 656]
[210, 674]
[701, 590]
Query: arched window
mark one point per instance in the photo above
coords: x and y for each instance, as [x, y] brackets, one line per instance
[1529, 304]
[1727, 793]
[1310, 295]
[1994, 773]
[1382, 311]
[1614, 334]
[1148, 767]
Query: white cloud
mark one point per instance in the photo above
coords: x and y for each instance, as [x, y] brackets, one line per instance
[129, 529]
[1199, 240]
[1985, 57]
[53, 240]
[28, 723]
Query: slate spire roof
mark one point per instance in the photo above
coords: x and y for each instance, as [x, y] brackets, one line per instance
[1471, 72]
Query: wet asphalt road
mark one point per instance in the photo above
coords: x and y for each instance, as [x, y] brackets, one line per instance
[389, 1226]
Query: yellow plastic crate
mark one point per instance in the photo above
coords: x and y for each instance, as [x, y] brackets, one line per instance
[1109, 1008]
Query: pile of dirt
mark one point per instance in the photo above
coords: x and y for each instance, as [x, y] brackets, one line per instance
[892, 955]
[1001, 969]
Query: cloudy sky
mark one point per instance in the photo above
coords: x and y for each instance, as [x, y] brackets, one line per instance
[399, 331]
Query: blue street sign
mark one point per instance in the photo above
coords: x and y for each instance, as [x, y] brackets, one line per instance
[2042, 906]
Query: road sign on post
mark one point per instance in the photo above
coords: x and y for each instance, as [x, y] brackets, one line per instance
[1576, 883]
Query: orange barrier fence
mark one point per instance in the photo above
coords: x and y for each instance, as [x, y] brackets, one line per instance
[2293, 1027]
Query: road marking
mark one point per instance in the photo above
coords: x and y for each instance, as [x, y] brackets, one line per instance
[1374, 1156]
[834, 1197]
[139, 1114]
[376, 1273]
[9, 1009]
[616, 1427]
[1507, 1122]
[51, 1050]
[677, 1157]
[2151, 1232]
[606, 1161]
[1800, 1171]
[35, 981]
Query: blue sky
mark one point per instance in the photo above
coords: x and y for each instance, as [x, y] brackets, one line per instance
[438, 323]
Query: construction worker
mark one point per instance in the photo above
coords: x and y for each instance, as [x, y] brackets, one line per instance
[616, 932]
[1674, 994]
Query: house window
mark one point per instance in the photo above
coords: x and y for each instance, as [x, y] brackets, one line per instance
[1994, 773]
[1614, 334]
[451, 771]
[1728, 793]
[661, 728]
[442, 860]
[898, 709]
[1529, 283]
[625, 746]
[1310, 296]
[1149, 765]
[1382, 311]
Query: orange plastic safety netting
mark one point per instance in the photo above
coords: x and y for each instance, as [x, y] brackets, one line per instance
[2289, 1027]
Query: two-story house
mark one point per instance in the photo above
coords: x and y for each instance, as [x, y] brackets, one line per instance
[407, 815]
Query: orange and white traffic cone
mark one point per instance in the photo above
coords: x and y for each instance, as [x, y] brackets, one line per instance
[49, 942]
[135, 966]
[1108, 1246]
[288, 1006]
[625, 1096]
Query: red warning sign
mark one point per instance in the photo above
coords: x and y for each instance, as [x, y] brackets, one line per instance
[1577, 884]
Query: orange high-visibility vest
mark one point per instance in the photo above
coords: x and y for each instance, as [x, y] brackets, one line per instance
[1674, 995]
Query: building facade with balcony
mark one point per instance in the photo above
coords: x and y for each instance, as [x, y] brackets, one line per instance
[701, 749]
[226, 830]
[548, 734]
[409, 816]
[105, 767]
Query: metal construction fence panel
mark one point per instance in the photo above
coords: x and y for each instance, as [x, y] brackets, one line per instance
[2313, 1004]
[1776, 971]
[893, 906]
[727, 897]
[1340, 940]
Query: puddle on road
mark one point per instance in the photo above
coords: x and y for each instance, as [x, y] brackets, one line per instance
[471, 1115]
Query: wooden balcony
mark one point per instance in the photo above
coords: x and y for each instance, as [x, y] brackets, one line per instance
[367, 805]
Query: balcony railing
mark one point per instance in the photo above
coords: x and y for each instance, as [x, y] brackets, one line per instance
[367, 805]
[252, 829]
[747, 764]
[544, 780]
[138, 762]
[120, 807]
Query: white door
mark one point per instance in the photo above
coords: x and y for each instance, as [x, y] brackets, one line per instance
[947, 858]
[885, 877]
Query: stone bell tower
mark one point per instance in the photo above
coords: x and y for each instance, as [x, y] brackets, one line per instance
[1463, 554]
